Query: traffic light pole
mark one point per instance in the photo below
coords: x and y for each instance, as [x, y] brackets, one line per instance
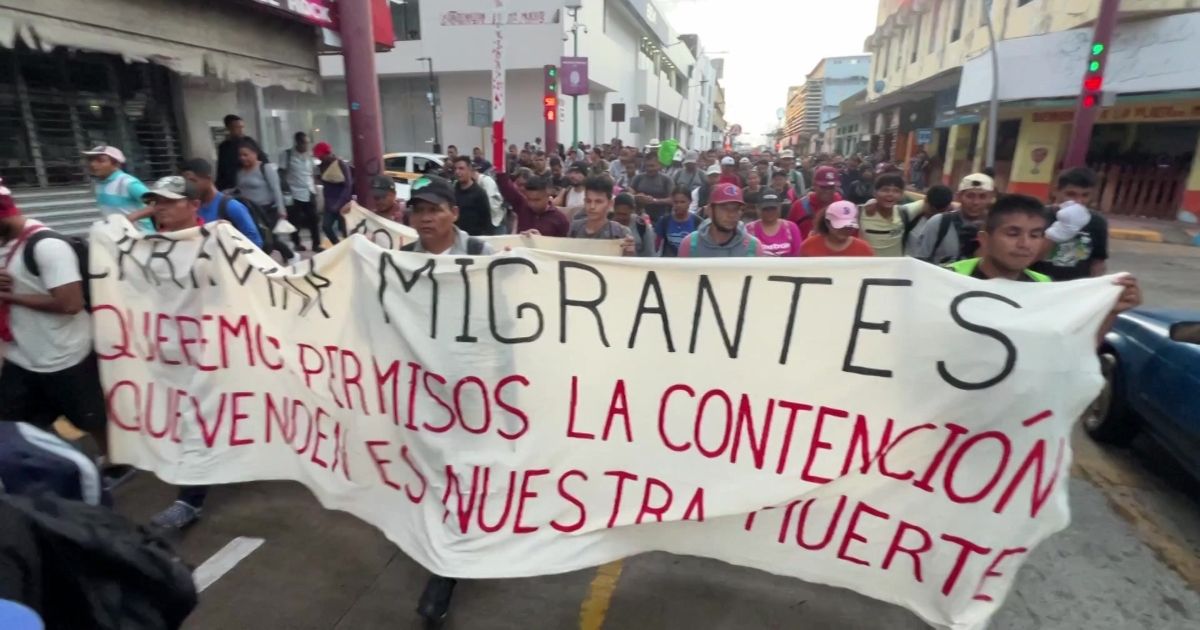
[1088, 106]
[362, 92]
[575, 97]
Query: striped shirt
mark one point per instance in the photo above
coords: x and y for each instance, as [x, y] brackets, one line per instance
[121, 193]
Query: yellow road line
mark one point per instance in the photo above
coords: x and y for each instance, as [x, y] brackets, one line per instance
[1134, 234]
[595, 605]
[1114, 481]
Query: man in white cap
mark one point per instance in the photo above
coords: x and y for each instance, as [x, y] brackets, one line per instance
[787, 162]
[117, 192]
[689, 177]
[729, 172]
[700, 196]
[953, 236]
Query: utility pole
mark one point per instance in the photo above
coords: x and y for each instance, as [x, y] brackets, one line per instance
[1088, 106]
[993, 128]
[362, 92]
[437, 143]
[573, 9]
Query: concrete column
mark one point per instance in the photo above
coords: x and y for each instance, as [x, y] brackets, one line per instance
[1039, 147]
[957, 145]
[1190, 210]
[980, 147]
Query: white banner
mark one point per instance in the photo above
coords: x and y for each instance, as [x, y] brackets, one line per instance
[875, 424]
[388, 234]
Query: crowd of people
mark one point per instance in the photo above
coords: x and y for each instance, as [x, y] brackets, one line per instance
[700, 204]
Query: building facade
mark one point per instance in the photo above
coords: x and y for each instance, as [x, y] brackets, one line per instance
[665, 82]
[153, 77]
[812, 106]
[931, 81]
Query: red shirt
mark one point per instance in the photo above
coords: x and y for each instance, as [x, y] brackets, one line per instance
[806, 219]
[815, 246]
[549, 223]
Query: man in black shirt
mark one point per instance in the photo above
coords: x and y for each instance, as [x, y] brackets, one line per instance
[1077, 243]
[474, 209]
[227, 152]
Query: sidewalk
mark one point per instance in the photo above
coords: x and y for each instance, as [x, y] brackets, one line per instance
[1153, 230]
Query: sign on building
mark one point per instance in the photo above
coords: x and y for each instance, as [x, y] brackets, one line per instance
[479, 112]
[574, 77]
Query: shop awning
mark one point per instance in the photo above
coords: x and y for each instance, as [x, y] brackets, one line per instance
[46, 33]
[1151, 55]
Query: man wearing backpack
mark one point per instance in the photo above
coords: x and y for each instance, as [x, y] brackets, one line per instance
[804, 212]
[953, 236]
[218, 206]
[49, 367]
[433, 213]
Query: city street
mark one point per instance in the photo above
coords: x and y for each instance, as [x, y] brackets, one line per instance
[1130, 559]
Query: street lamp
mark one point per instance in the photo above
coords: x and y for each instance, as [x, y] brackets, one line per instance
[573, 7]
[994, 104]
[437, 145]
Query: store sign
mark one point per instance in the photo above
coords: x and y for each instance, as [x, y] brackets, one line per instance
[1188, 110]
[318, 12]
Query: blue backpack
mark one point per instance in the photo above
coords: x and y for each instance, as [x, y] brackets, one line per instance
[35, 462]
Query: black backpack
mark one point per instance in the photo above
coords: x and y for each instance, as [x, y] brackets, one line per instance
[257, 214]
[81, 253]
[88, 567]
[968, 237]
[474, 246]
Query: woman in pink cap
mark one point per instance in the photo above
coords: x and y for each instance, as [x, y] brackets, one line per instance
[834, 234]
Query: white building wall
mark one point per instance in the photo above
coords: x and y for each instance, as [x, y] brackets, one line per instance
[462, 60]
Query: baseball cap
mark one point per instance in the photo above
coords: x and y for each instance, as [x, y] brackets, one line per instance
[726, 193]
[382, 185]
[728, 161]
[769, 200]
[842, 214]
[744, 160]
[433, 189]
[321, 150]
[825, 177]
[713, 169]
[787, 153]
[578, 167]
[654, 143]
[977, 181]
[8, 206]
[171, 187]
[104, 149]
[692, 157]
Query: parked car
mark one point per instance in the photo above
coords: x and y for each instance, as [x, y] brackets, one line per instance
[408, 166]
[1151, 366]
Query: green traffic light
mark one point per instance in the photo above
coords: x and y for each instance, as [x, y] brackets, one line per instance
[1097, 48]
[1094, 66]
[553, 72]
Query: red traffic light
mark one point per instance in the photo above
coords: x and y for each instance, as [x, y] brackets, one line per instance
[1089, 101]
[550, 114]
[551, 101]
[1093, 83]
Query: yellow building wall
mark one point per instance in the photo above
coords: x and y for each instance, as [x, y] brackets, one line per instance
[1035, 18]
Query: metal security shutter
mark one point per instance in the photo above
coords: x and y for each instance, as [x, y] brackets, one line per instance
[54, 106]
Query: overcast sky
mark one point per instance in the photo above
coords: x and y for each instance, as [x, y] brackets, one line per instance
[770, 45]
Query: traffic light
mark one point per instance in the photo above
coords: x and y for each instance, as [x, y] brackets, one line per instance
[550, 105]
[1093, 79]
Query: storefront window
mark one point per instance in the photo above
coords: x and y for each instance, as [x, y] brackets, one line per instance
[406, 20]
[55, 105]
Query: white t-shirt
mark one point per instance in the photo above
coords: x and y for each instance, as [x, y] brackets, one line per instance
[45, 342]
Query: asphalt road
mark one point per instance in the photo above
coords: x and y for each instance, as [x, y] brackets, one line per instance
[1130, 559]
